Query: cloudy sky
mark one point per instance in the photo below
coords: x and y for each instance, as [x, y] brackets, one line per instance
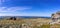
[29, 7]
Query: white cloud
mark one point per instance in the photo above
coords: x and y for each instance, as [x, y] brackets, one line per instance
[2, 1]
[9, 14]
[12, 9]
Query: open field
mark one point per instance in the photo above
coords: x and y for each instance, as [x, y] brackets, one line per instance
[27, 23]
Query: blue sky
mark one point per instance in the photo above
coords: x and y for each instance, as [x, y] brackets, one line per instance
[29, 7]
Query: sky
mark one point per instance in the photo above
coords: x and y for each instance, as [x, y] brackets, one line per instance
[29, 7]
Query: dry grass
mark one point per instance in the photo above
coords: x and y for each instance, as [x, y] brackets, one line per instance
[31, 22]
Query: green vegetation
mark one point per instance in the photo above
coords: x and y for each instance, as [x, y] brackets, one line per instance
[45, 26]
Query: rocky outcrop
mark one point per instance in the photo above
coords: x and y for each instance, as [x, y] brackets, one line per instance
[56, 17]
[12, 18]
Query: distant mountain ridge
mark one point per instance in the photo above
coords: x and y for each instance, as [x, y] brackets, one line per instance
[1, 17]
